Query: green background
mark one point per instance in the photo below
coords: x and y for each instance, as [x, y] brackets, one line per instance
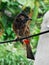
[13, 53]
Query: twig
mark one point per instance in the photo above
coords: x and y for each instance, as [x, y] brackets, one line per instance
[24, 37]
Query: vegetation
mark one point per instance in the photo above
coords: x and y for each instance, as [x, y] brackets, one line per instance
[13, 53]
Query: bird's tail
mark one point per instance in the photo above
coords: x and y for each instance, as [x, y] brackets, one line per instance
[30, 54]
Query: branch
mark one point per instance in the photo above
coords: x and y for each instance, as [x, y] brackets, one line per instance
[25, 37]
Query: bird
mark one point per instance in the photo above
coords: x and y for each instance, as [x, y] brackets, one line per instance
[21, 27]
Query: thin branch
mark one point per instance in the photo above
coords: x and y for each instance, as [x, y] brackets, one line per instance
[25, 37]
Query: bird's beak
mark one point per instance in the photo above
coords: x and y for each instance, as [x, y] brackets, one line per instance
[29, 18]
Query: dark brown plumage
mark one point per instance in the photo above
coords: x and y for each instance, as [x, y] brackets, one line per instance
[21, 28]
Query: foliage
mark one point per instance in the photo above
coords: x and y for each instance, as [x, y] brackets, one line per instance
[11, 53]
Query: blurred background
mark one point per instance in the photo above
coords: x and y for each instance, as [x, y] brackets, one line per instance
[13, 53]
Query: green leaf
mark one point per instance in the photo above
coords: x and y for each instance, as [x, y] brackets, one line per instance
[5, 0]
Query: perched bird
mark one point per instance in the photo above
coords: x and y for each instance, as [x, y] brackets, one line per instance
[21, 27]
